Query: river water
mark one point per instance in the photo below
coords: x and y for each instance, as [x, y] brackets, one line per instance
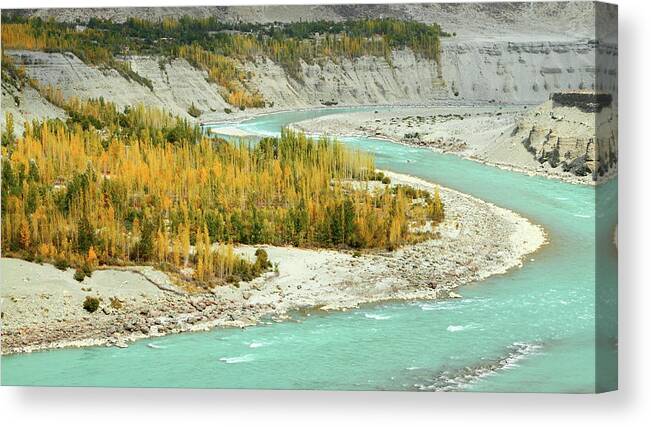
[532, 329]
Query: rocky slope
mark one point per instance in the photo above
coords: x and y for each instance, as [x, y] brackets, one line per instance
[25, 105]
[571, 137]
[176, 84]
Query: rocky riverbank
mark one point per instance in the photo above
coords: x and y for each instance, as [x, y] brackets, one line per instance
[42, 306]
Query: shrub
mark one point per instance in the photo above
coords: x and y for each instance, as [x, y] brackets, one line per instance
[61, 264]
[194, 111]
[87, 270]
[116, 303]
[262, 260]
[386, 180]
[79, 275]
[91, 304]
[228, 110]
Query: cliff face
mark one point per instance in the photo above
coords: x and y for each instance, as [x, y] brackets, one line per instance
[503, 72]
[367, 80]
[568, 137]
[176, 84]
[526, 72]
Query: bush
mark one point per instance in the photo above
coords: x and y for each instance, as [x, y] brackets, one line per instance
[379, 176]
[194, 111]
[262, 260]
[61, 264]
[87, 270]
[79, 275]
[116, 303]
[91, 304]
[228, 110]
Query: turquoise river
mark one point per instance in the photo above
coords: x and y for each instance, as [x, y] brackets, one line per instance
[533, 329]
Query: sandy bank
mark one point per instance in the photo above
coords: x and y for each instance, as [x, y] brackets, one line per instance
[42, 306]
[229, 131]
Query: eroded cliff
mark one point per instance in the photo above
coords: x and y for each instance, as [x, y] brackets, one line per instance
[574, 138]
[503, 72]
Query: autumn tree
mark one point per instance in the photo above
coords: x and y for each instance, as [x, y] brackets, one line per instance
[91, 258]
[25, 235]
[438, 213]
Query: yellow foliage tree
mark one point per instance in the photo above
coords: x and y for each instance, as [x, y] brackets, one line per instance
[25, 235]
[91, 258]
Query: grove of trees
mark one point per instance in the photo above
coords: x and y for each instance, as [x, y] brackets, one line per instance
[111, 186]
